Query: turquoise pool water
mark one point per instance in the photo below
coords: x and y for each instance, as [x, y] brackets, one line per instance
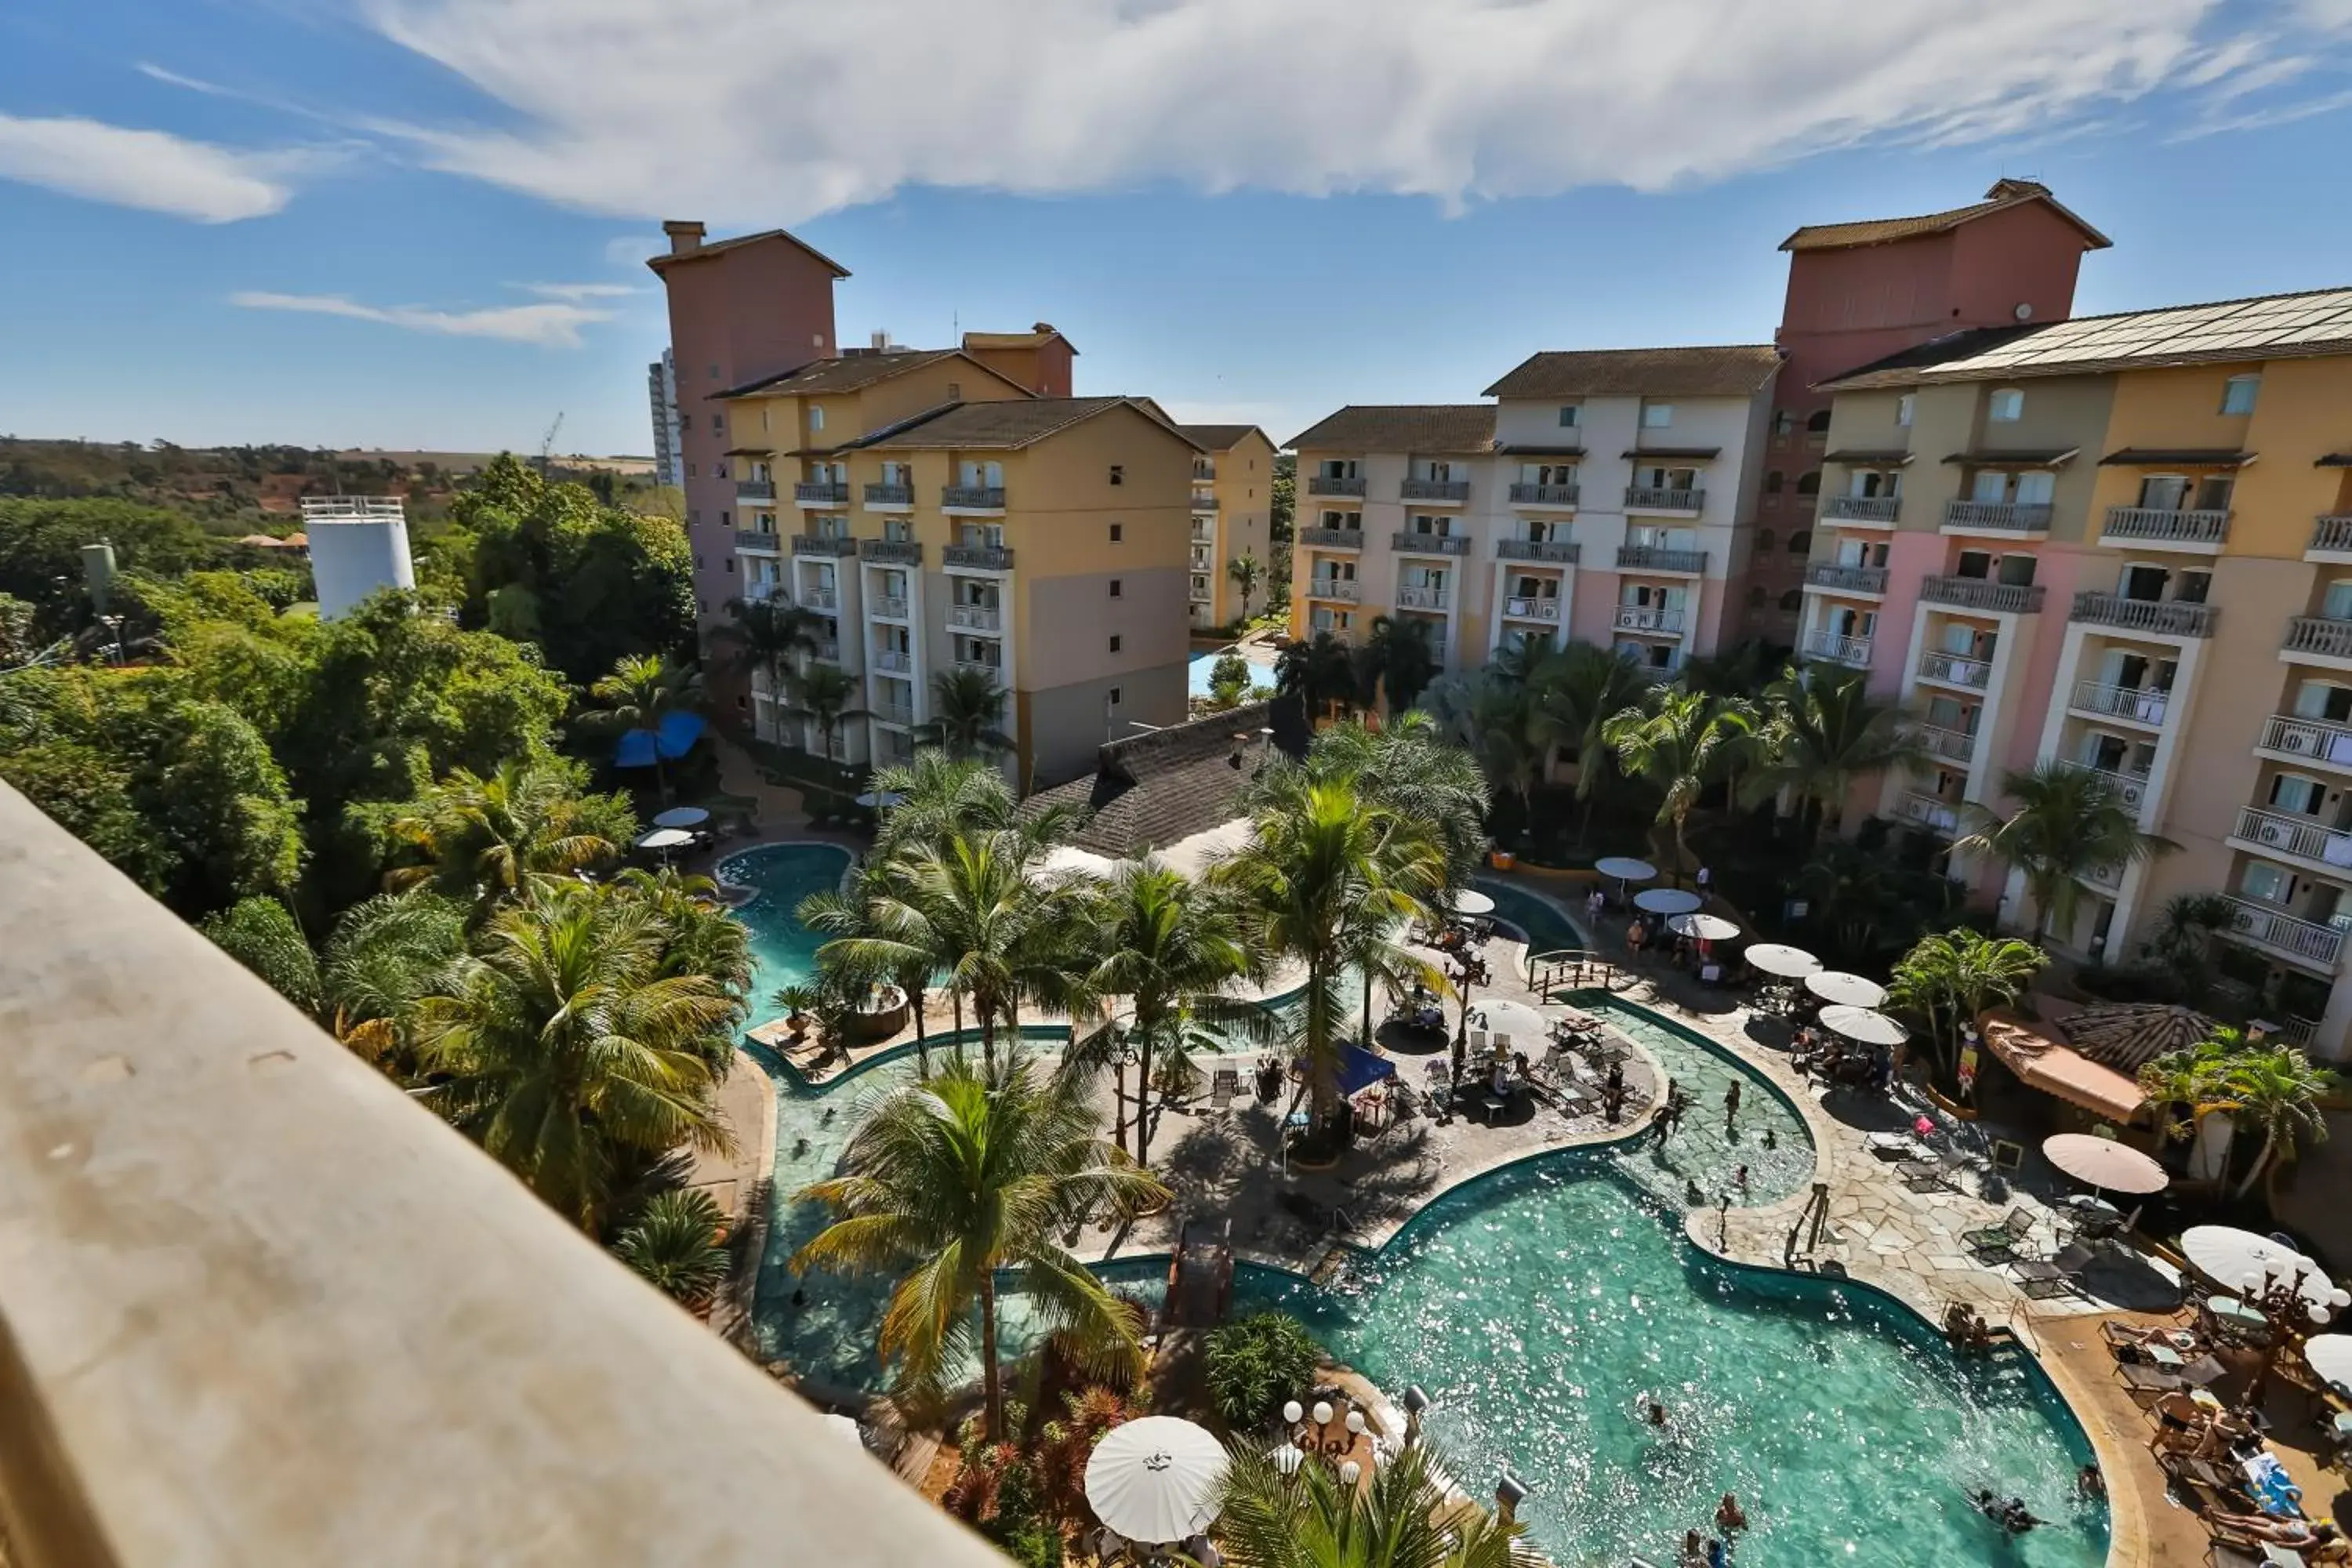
[783, 951]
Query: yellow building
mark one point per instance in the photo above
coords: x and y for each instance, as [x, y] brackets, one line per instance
[1233, 498]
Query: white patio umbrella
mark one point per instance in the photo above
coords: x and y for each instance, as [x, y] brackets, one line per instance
[1861, 1024]
[876, 800]
[682, 816]
[1702, 927]
[1845, 990]
[2330, 1355]
[1471, 901]
[2231, 1258]
[1780, 959]
[1624, 868]
[664, 839]
[2106, 1165]
[1155, 1479]
[1502, 1015]
[1667, 900]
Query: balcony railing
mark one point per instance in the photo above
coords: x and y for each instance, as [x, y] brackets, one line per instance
[1854, 651]
[1538, 608]
[2143, 704]
[1412, 596]
[2008, 517]
[751, 541]
[1954, 670]
[890, 494]
[2318, 634]
[2319, 740]
[1543, 495]
[1334, 485]
[1332, 538]
[2288, 834]
[1201, 594]
[891, 551]
[1434, 489]
[1952, 745]
[829, 651]
[972, 498]
[820, 598]
[1982, 594]
[981, 666]
[822, 492]
[900, 713]
[2332, 533]
[1661, 497]
[1862, 509]
[1203, 532]
[1846, 579]
[1201, 502]
[1657, 558]
[987, 557]
[1412, 543]
[830, 544]
[2129, 788]
[975, 618]
[887, 606]
[1563, 550]
[2170, 617]
[2268, 926]
[756, 490]
[1929, 812]
[1644, 618]
[2162, 525]
[893, 660]
[1338, 590]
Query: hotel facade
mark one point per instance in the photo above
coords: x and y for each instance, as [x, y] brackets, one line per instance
[1233, 508]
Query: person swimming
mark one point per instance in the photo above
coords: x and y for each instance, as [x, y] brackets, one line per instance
[1728, 1515]
[1654, 1413]
[2010, 1514]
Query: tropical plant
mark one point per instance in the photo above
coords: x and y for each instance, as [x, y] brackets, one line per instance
[2278, 1090]
[967, 715]
[261, 934]
[2181, 948]
[1866, 901]
[1821, 736]
[485, 840]
[1573, 695]
[976, 1171]
[2064, 822]
[2195, 1076]
[941, 795]
[875, 936]
[1229, 681]
[826, 695]
[676, 1243]
[641, 691]
[1319, 672]
[387, 954]
[1247, 571]
[567, 1053]
[1409, 767]
[1255, 1362]
[766, 634]
[1397, 660]
[1680, 742]
[1409, 1516]
[1951, 976]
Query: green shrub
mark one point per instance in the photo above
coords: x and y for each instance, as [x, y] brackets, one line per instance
[1257, 1364]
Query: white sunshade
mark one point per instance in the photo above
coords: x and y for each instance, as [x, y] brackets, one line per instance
[1626, 869]
[1861, 1024]
[877, 800]
[1702, 927]
[1517, 1019]
[1155, 1479]
[682, 816]
[1471, 901]
[1667, 900]
[1845, 990]
[2229, 1256]
[1780, 959]
[2104, 1163]
[665, 838]
[2330, 1355]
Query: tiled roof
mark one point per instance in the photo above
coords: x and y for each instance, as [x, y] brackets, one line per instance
[716, 247]
[1218, 437]
[1724, 370]
[1402, 428]
[847, 373]
[1020, 421]
[2305, 325]
[2004, 195]
[1036, 337]
[1147, 791]
[2184, 457]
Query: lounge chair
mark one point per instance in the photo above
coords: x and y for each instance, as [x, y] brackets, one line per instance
[1892, 1146]
[2000, 1239]
[2149, 1380]
[2041, 1279]
[1921, 1175]
[1223, 1085]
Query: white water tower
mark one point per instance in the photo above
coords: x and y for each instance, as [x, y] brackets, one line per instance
[358, 546]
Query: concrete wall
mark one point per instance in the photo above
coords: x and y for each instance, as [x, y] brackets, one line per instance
[1061, 727]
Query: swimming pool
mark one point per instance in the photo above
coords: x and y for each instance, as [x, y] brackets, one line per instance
[783, 951]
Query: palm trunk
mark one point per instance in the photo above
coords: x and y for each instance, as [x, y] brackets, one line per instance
[2262, 1160]
[1143, 1098]
[991, 1378]
[922, 1040]
[956, 996]
[1681, 850]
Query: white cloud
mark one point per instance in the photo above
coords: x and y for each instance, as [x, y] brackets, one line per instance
[154, 170]
[551, 325]
[771, 111]
[575, 292]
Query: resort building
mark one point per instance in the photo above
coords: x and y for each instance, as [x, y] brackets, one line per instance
[2123, 542]
[1232, 499]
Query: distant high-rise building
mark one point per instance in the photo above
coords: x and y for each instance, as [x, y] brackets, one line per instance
[661, 390]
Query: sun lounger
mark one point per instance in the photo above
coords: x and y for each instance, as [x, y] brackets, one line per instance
[2004, 1238]
[1921, 1175]
[1223, 1085]
[2151, 1379]
[2042, 1279]
[1892, 1146]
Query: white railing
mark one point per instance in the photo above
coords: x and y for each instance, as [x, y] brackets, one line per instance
[1412, 543]
[1334, 485]
[981, 666]
[2143, 704]
[900, 713]
[1982, 594]
[1952, 745]
[2161, 525]
[1957, 669]
[1929, 812]
[1332, 538]
[889, 607]
[2332, 533]
[1661, 497]
[1344, 590]
[2315, 740]
[1842, 649]
[820, 598]
[353, 509]
[2318, 633]
[1543, 495]
[975, 618]
[894, 660]
[2285, 833]
[2008, 517]
[1434, 489]
[1641, 618]
[2170, 617]
[1534, 609]
[1411, 597]
[2131, 789]
[1846, 579]
[2268, 926]
[1862, 509]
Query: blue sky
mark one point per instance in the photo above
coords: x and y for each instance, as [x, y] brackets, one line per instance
[421, 223]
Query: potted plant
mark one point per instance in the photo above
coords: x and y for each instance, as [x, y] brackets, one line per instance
[798, 1001]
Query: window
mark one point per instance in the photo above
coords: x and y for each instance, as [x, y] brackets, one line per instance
[1772, 482]
[1116, 695]
[1115, 589]
[694, 517]
[742, 702]
[1657, 416]
[816, 418]
[2005, 406]
[724, 521]
[1118, 474]
[1800, 543]
[714, 373]
[1115, 642]
[719, 472]
[1116, 533]
[1568, 414]
[1782, 422]
[1818, 422]
[689, 470]
[1756, 596]
[719, 425]
[1765, 539]
[1792, 599]
[1904, 406]
[2238, 393]
[731, 566]
[1810, 484]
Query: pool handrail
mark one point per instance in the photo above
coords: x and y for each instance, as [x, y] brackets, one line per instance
[1576, 969]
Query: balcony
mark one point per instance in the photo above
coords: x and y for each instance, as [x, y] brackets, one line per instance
[1203, 532]
[2318, 636]
[821, 492]
[1882, 511]
[1952, 745]
[2129, 788]
[823, 544]
[1332, 538]
[976, 617]
[755, 489]
[2165, 618]
[1954, 670]
[1412, 596]
[2274, 931]
[980, 557]
[827, 650]
[1201, 594]
[1648, 620]
[2304, 838]
[1543, 495]
[1829, 645]
[1657, 558]
[890, 494]
[1558, 552]
[1411, 543]
[987, 668]
[891, 551]
[1846, 579]
[1982, 594]
[1453, 492]
[752, 541]
[1339, 591]
[2161, 527]
[2330, 536]
[893, 660]
[1534, 609]
[1659, 497]
[2140, 704]
[902, 714]
[971, 497]
[887, 607]
[1998, 517]
[1201, 502]
[1334, 485]
[1931, 812]
[2291, 737]
[820, 598]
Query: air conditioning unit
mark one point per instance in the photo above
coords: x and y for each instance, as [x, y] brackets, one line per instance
[2295, 739]
[2273, 833]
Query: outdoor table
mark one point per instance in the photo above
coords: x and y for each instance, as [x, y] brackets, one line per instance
[2231, 1310]
[1496, 1106]
[2164, 1356]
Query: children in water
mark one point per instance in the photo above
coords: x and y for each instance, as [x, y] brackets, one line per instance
[2010, 1514]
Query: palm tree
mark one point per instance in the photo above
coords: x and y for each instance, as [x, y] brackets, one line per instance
[877, 935]
[566, 1051]
[1681, 744]
[825, 695]
[643, 690]
[941, 795]
[1951, 976]
[2065, 823]
[1858, 894]
[675, 1244]
[1575, 695]
[2195, 1076]
[1318, 671]
[2181, 945]
[489, 839]
[1821, 736]
[974, 1170]
[967, 714]
[385, 955]
[1245, 570]
[1397, 661]
[997, 933]
[2276, 1089]
[1409, 766]
[766, 634]
[1409, 1517]
[699, 937]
